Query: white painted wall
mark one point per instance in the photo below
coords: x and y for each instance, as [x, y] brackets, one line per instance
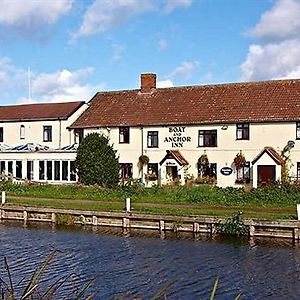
[61, 135]
[275, 135]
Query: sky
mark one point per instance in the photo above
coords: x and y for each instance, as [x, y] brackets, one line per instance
[71, 49]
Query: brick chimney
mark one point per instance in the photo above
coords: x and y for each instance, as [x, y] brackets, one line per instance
[148, 82]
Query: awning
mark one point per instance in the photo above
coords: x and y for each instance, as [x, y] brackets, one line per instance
[272, 153]
[175, 154]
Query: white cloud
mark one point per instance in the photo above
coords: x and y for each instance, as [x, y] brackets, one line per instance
[63, 86]
[282, 21]
[278, 60]
[185, 70]
[277, 56]
[173, 4]
[30, 14]
[164, 83]
[103, 15]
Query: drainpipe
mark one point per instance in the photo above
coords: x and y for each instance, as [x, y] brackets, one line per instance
[142, 152]
[59, 141]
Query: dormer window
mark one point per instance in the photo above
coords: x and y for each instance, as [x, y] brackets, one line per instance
[124, 135]
[22, 132]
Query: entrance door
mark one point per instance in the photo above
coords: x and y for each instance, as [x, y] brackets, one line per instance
[266, 174]
[172, 172]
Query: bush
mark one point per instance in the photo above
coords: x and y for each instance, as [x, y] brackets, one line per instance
[96, 161]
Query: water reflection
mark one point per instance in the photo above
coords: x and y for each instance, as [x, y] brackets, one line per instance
[140, 263]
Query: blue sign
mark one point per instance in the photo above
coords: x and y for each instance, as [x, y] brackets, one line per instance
[226, 171]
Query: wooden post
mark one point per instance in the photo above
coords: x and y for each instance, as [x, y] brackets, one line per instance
[252, 230]
[127, 204]
[3, 197]
[95, 221]
[53, 218]
[126, 223]
[161, 226]
[196, 227]
[25, 216]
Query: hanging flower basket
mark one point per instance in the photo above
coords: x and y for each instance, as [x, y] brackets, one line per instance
[144, 160]
[203, 160]
[240, 160]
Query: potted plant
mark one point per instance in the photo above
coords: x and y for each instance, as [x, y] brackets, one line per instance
[151, 177]
[240, 160]
[144, 160]
[203, 160]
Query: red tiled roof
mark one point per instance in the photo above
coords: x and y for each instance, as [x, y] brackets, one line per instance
[41, 111]
[175, 154]
[277, 100]
[272, 153]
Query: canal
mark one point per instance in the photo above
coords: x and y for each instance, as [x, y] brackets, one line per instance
[140, 266]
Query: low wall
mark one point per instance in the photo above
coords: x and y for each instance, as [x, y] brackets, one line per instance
[162, 223]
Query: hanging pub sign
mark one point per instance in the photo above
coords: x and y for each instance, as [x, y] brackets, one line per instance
[226, 171]
[177, 137]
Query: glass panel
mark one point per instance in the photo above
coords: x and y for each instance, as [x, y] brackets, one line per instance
[22, 132]
[42, 170]
[10, 167]
[72, 171]
[49, 170]
[29, 169]
[2, 166]
[65, 170]
[57, 170]
[19, 169]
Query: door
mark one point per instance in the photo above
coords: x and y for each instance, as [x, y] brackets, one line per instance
[266, 174]
[172, 172]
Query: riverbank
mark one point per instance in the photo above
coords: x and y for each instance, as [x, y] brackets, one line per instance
[196, 225]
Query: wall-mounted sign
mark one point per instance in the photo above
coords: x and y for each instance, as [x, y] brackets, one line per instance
[177, 137]
[226, 171]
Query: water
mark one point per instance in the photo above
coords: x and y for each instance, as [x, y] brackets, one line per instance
[141, 266]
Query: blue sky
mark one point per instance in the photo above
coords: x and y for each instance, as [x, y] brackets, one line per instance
[75, 48]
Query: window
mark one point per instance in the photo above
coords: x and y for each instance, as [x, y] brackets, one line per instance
[22, 132]
[65, 171]
[41, 170]
[242, 131]
[1, 134]
[78, 135]
[209, 170]
[56, 170]
[152, 140]
[10, 167]
[19, 169]
[207, 138]
[243, 174]
[152, 172]
[72, 171]
[49, 170]
[298, 130]
[125, 171]
[47, 133]
[29, 169]
[124, 135]
[2, 166]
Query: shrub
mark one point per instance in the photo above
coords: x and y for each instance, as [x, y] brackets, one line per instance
[96, 161]
[233, 226]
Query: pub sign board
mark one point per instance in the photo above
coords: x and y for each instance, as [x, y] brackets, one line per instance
[226, 171]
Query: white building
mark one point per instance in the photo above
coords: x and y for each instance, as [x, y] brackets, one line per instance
[175, 127]
[36, 143]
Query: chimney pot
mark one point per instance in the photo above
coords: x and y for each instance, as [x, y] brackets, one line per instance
[148, 82]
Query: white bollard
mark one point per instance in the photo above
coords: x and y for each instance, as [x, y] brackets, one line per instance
[298, 211]
[128, 204]
[3, 197]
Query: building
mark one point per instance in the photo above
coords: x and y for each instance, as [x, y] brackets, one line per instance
[198, 131]
[36, 143]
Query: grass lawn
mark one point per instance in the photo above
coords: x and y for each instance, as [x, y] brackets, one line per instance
[272, 202]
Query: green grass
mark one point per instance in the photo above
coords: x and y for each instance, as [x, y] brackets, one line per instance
[272, 202]
[143, 208]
